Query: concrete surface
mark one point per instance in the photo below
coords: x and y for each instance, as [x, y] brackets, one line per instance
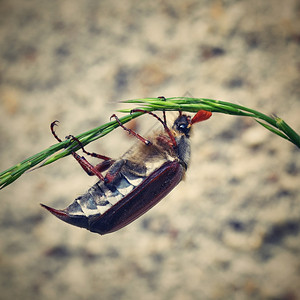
[232, 229]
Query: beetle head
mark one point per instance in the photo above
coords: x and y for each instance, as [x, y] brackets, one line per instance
[184, 123]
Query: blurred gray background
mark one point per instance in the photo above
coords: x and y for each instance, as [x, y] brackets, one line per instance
[232, 229]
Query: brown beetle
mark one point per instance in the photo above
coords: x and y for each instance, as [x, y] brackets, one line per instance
[134, 183]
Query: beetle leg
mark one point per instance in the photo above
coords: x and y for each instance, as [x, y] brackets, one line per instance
[87, 167]
[53, 131]
[167, 129]
[127, 166]
[93, 154]
[165, 140]
[130, 131]
[114, 171]
[164, 112]
[93, 170]
[72, 137]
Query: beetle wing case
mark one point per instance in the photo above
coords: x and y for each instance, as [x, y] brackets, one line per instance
[152, 189]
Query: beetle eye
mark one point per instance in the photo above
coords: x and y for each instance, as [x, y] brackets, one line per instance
[183, 128]
[182, 124]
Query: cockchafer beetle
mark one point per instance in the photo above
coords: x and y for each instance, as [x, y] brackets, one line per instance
[137, 181]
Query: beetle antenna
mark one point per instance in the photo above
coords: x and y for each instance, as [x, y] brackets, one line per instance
[201, 115]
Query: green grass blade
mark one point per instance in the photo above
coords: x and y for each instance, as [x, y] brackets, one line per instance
[188, 104]
[272, 129]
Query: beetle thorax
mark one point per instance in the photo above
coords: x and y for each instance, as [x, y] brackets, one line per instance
[183, 149]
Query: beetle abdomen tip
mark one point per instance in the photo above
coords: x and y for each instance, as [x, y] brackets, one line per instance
[64, 215]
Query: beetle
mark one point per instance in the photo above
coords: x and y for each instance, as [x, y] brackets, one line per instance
[137, 181]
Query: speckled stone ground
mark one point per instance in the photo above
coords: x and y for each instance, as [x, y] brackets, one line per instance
[232, 229]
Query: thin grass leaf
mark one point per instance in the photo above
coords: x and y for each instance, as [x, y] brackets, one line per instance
[281, 124]
[193, 104]
[272, 129]
[60, 150]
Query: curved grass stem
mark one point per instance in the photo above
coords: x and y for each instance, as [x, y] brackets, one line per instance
[60, 150]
